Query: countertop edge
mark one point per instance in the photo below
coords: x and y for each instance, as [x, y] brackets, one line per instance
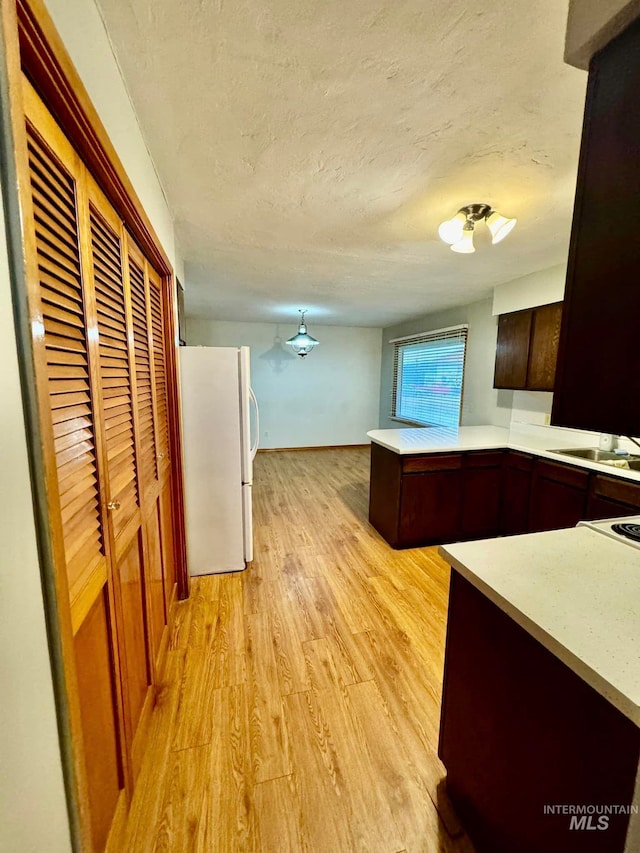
[612, 694]
[575, 461]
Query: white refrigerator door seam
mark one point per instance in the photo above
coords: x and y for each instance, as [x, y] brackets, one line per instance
[245, 415]
[247, 512]
[254, 449]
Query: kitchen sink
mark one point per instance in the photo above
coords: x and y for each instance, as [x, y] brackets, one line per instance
[591, 453]
[595, 455]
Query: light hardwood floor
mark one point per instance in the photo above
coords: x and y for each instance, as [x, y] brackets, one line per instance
[300, 704]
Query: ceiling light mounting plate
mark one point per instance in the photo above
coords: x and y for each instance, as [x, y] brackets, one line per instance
[476, 212]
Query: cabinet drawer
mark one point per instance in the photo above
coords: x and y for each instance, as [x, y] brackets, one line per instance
[562, 474]
[617, 490]
[521, 461]
[432, 462]
[483, 459]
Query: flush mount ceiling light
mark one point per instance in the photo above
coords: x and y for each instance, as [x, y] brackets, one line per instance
[302, 343]
[458, 231]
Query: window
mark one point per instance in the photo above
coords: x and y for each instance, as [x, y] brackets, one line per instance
[428, 374]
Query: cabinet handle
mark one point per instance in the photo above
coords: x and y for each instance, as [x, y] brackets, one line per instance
[160, 456]
[113, 505]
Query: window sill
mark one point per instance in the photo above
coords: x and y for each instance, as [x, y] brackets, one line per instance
[411, 423]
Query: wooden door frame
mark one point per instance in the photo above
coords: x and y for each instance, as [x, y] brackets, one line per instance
[45, 61]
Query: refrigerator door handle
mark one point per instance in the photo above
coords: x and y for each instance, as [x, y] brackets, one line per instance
[254, 448]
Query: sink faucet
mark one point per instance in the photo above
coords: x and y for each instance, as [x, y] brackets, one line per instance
[637, 443]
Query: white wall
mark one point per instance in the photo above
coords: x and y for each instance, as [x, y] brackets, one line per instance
[482, 403]
[538, 288]
[80, 25]
[331, 397]
[592, 24]
[33, 815]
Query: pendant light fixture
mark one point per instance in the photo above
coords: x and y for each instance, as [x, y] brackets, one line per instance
[458, 231]
[302, 343]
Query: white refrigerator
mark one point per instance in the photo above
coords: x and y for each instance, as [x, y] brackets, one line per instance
[219, 410]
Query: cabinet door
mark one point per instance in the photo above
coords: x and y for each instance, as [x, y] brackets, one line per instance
[516, 487]
[543, 356]
[611, 497]
[558, 496]
[430, 507]
[481, 494]
[599, 360]
[512, 352]
[384, 493]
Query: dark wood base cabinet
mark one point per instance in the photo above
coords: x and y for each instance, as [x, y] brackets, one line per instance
[558, 495]
[434, 498]
[516, 486]
[521, 732]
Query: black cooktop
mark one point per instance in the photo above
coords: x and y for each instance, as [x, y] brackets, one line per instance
[631, 531]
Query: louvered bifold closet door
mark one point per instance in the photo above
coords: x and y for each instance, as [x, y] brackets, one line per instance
[143, 372]
[107, 261]
[62, 314]
[156, 303]
[54, 208]
[115, 368]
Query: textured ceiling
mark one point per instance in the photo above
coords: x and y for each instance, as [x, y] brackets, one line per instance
[310, 148]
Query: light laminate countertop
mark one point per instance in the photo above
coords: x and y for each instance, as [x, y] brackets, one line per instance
[451, 439]
[575, 591]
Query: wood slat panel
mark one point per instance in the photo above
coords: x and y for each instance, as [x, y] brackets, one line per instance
[56, 234]
[144, 401]
[116, 390]
[159, 364]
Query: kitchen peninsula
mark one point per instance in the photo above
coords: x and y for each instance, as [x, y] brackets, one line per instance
[437, 484]
[541, 695]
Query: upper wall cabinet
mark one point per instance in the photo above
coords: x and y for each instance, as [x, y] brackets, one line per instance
[527, 348]
[599, 360]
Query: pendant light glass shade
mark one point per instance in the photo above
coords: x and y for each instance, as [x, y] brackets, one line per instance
[451, 230]
[465, 246]
[302, 343]
[499, 226]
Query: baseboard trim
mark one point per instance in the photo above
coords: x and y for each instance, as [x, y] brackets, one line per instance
[313, 447]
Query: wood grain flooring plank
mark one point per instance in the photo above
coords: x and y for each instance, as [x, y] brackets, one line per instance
[327, 816]
[144, 815]
[413, 810]
[204, 607]
[287, 643]
[206, 805]
[269, 737]
[279, 817]
[321, 667]
[229, 643]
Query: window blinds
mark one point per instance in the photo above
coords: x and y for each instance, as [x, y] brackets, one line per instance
[428, 376]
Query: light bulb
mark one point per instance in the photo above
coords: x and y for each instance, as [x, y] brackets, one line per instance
[499, 226]
[451, 230]
[465, 246]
